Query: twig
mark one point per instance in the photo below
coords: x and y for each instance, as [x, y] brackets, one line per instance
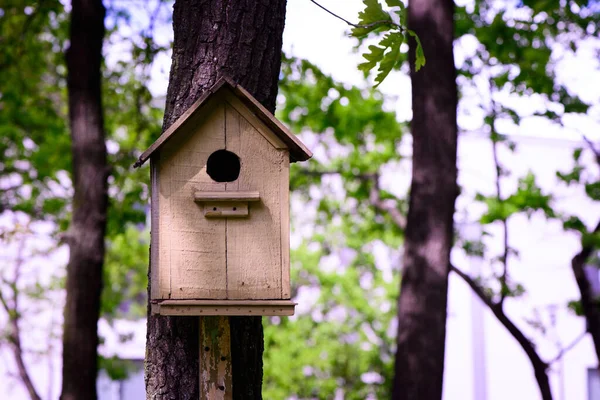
[564, 350]
[494, 135]
[382, 22]
[391, 210]
[593, 149]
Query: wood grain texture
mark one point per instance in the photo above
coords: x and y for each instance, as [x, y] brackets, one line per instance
[224, 307]
[232, 140]
[284, 201]
[216, 381]
[236, 110]
[298, 151]
[254, 244]
[192, 247]
[153, 276]
[227, 196]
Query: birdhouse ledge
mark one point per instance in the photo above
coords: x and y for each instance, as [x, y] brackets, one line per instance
[225, 204]
[223, 307]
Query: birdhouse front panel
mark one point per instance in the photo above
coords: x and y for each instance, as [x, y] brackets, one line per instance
[223, 199]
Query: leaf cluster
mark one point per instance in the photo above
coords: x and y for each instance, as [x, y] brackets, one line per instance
[391, 32]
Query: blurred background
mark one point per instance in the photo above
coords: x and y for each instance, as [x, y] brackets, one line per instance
[529, 158]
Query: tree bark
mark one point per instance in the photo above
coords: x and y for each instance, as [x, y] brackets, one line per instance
[242, 40]
[88, 225]
[419, 364]
[589, 304]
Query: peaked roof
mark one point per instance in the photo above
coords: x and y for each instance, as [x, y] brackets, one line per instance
[298, 151]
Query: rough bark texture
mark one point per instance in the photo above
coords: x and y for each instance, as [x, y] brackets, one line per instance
[240, 39]
[88, 225]
[422, 303]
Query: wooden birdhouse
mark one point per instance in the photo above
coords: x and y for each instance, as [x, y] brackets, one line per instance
[220, 208]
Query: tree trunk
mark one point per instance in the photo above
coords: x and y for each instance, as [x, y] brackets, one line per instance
[589, 303]
[240, 39]
[88, 225]
[422, 303]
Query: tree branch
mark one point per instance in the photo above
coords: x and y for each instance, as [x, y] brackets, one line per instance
[539, 366]
[14, 317]
[569, 347]
[383, 22]
[383, 206]
[374, 195]
[593, 149]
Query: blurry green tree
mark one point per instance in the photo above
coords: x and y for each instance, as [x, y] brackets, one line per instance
[35, 183]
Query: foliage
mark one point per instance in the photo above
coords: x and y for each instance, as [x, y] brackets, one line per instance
[344, 342]
[35, 184]
[374, 22]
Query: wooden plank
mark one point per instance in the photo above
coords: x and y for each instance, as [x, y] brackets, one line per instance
[284, 201]
[154, 283]
[225, 307]
[216, 382]
[226, 302]
[196, 245]
[198, 274]
[254, 244]
[226, 196]
[230, 209]
[161, 276]
[298, 151]
[238, 107]
[232, 140]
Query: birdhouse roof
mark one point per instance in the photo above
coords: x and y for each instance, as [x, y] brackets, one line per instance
[298, 151]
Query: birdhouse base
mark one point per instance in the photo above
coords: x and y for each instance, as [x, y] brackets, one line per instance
[223, 307]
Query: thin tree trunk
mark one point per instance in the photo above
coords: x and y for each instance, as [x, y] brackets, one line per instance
[241, 39]
[88, 225]
[589, 303]
[422, 303]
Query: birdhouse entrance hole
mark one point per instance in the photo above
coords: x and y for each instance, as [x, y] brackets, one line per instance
[223, 166]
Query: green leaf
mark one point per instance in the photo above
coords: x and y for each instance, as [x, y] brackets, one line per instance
[388, 56]
[574, 223]
[419, 53]
[372, 12]
[593, 190]
[370, 15]
[395, 3]
[392, 58]
[373, 57]
[576, 307]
